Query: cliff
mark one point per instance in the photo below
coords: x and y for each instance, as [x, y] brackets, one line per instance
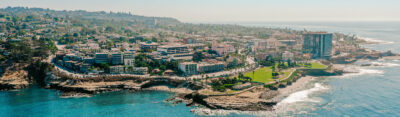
[14, 80]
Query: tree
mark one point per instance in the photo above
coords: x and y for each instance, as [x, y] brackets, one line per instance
[198, 56]
[110, 29]
[154, 39]
[253, 74]
[233, 64]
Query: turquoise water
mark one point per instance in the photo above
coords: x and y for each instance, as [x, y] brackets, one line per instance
[374, 91]
[38, 102]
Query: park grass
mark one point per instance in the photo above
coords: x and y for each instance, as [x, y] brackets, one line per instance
[263, 75]
[287, 73]
[315, 65]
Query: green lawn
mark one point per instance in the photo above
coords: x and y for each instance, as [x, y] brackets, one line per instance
[315, 65]
[263, 75]
[286, 73]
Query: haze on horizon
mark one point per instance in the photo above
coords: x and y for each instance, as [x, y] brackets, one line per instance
[196, 11]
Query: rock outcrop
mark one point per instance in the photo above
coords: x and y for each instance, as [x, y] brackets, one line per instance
[14, 80]
[249, 100]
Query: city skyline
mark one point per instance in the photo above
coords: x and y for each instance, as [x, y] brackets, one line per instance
[208, 11]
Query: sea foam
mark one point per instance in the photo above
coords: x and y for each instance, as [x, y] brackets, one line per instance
[359, 72]
[303, 95]
[373, 40]
[384, 64]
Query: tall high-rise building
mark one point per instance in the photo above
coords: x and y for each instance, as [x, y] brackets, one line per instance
[319, 44]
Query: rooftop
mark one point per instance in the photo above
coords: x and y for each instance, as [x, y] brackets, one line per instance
[321, 32]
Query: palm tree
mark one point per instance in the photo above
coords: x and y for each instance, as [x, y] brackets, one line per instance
[253, 74]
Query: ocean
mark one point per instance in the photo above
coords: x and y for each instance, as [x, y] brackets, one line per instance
[373, 91]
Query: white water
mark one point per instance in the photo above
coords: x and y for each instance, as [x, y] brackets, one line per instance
[303, 95]
[361, 71]
[384, 64]
[373, 40]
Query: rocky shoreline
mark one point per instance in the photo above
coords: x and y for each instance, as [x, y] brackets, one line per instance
[278, 96]
[255, 98]
[14, 78]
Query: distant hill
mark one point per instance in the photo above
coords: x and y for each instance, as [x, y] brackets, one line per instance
[91, 15]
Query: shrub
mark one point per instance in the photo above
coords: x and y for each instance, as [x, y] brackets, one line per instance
[271, 86]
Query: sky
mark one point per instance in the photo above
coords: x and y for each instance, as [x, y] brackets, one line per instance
[209, 11]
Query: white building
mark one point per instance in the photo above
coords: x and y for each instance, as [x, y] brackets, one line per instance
[173, 49]
[117, 69]
[137, 70]
[210, 67]
[287, 56]
[188, 68]
[129, 59]
[222, 48]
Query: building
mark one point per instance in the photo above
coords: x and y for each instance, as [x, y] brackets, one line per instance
[288, 42]
[210, 67]
[173, 49]
[149, 46]
[180, 58]
[117, 69]
[168, 73]
[188, 68]
[74, 65]
[117, 59]
[101, 58]
[197, 46]
[269, 44]
[89, 60]
[319, 44]
[89, 46]
[286, 56]
[263, 55]
[73, 57]
[222, 48]
[129, 59]
[137, 70]
[122, 45]
[84, 68]
[261, 45]
[273, 43]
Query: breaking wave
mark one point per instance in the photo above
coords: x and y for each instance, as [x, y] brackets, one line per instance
[360, 71]
[384, 64]
[302, 96]
[373, 40]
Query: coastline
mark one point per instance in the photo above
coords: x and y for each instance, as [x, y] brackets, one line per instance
[245, 101]
[283, 93]
[166, 88]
